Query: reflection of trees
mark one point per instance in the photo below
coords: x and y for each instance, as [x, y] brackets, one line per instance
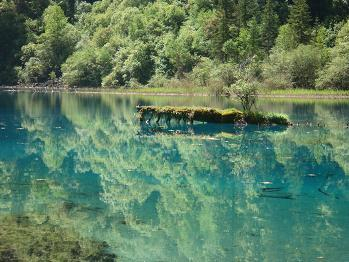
[186, 197]
[314, 175]
[304, 111]
[331, 113]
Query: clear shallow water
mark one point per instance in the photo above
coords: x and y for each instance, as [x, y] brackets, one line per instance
[81, 179]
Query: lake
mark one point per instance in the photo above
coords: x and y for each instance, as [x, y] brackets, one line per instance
[82, 180]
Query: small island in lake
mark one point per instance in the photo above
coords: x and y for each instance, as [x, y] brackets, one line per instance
[210, 115]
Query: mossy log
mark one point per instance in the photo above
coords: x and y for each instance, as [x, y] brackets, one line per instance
[209, 115]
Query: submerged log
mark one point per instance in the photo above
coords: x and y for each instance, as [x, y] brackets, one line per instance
[209, 115]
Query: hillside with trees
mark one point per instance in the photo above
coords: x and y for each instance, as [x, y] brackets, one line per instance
[162, 43]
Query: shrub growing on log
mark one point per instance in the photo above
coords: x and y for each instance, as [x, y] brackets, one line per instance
[246, 93]
[259, 118]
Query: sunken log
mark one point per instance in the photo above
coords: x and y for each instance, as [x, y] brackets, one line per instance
[209, 115]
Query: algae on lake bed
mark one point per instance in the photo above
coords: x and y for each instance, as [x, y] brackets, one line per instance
[23, 238]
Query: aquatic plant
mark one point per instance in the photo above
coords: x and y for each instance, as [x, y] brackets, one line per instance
[23, 238]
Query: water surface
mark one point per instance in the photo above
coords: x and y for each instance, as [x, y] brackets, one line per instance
[81, 179]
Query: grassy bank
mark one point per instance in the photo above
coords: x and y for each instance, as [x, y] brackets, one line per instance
[166, 90]
[263, 92]
[304, 92]
[197, 91]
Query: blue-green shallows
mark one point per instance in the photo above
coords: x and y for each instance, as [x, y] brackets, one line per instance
[82, 180]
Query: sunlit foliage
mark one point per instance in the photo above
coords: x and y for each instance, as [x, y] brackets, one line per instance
[119, 43]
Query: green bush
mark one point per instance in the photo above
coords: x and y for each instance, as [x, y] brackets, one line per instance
[287, 38]
[132, 62]
[12, 32]
[278, 119]
[335, 75]
[50, 49]
[158, 80]
[217, 76]
[259, 118]
[177, 49]
[296, 68]
[34, 71]
[86, 67]
[227, 73]
[207, 43]
[246, 93]
[202, 73]
[336, 72]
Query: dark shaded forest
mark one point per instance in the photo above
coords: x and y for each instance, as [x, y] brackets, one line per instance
[134, 43]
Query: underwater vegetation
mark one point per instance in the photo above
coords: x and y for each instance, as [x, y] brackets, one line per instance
[25, 238]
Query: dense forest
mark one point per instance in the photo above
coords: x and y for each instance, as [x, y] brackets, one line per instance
[162, 43]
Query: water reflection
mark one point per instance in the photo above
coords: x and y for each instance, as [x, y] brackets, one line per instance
[84, 165]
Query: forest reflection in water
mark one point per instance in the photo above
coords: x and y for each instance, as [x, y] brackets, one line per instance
[84, 165]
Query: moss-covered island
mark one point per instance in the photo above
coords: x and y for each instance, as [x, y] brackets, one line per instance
[210, 115]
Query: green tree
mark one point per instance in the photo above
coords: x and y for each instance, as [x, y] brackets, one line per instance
[269, 25]
[203, 71]
[297, 68]
[336, 72]
[320, 38]
[51, 48]
[12, 32]
[32, 8]
[340, 9]
[178, 52]
[320, 9]
[247, 45]
[246, 10]
[287, 38]
[131, 64]
[218, 28]
[246, 92]
[173, 36]
[300, 19]
[87, 67]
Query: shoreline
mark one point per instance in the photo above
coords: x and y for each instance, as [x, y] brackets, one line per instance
[284, 94]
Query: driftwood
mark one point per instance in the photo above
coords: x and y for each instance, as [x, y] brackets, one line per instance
[208, 115]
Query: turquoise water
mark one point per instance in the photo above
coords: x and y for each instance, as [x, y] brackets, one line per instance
[82, 180]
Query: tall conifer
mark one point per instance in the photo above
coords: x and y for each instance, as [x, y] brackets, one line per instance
[300, 19]
[269, 26]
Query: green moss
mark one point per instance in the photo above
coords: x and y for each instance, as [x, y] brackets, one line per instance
[189, 114]
[259, 118]
[210, 115]
[231, 115]
[278, 119]
[256, 118]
